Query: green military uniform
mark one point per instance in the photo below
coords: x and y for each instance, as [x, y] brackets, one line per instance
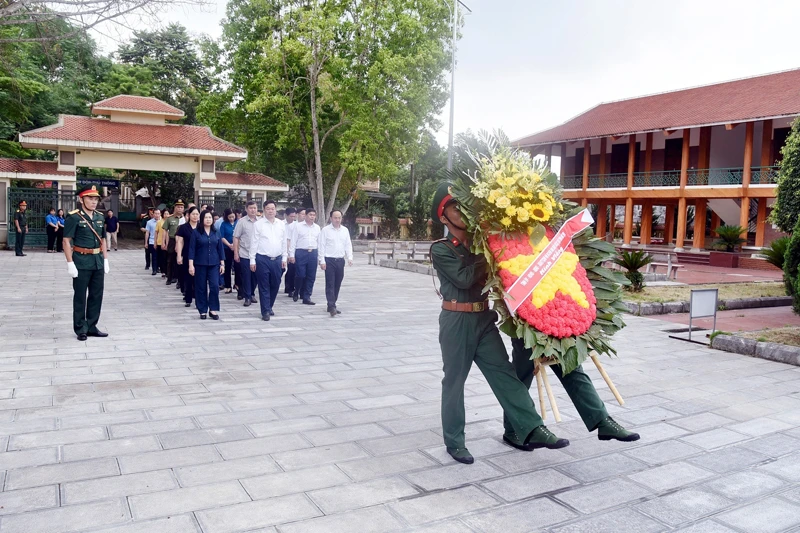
[86, 310]
[577, 383]
[469, 334]
[21, 219]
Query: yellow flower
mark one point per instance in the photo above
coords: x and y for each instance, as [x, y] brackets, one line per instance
[538, 212]
[522, 214]
[505, 221]
[503, 202]
[511, 210]
[493, 194]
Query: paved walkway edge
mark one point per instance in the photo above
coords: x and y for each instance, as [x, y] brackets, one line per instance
[780, 353]
[654, 308]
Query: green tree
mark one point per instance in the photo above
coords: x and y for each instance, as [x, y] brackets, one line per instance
[786, 210]
[352, 85]
[176, 69]
[791, 268]
[419, 218]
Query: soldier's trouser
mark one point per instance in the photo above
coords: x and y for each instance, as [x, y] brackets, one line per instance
[86, 310]
[20, 242]
[577, 383]
[172, 261]
[465, 337]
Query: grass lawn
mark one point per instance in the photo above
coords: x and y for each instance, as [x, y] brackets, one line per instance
[790, 336]
[680, 293]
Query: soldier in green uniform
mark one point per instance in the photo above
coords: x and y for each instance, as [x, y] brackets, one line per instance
[87, 262]
[581, 391]
[467, 333]
[143, 228]
[171, 227]
[21, 225]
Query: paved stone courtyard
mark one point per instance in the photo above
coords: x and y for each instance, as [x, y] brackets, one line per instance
[313, 424]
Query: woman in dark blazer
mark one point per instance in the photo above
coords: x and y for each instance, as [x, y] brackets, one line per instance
[206, 263]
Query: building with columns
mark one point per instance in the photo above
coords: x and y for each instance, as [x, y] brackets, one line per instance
[125, 132]
[713, 147]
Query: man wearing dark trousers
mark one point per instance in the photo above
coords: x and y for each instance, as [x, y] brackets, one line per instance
[334, 248]
[87, 262]
[242, 238]
[171, 228]
[143, 228]
[303, 251]
[269, 246]
[21, 225]
[290, 219]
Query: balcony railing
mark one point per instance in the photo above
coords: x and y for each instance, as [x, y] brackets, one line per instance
[672, 178]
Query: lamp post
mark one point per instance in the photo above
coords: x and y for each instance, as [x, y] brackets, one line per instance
[454, 15]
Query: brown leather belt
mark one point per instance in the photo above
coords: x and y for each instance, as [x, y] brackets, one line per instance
[465, 307]
[86, 251]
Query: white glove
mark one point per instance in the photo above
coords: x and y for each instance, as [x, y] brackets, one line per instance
[72, 270]
[106, 266]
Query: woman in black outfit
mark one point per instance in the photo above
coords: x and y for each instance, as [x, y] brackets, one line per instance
[182, 238]
[206, 264]
[60, 231]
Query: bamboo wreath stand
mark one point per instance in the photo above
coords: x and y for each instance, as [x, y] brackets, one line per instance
[543, 384]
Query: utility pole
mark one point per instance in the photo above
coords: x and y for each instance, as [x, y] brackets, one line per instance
[454, 12]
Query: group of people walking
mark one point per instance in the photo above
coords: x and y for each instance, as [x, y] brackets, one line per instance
[204, 253]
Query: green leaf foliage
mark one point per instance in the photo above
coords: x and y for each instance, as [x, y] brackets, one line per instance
[786, 210]
[730, 236]
[791, 268]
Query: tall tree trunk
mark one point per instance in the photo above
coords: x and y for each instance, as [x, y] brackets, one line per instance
[317, 199]
[337, 181]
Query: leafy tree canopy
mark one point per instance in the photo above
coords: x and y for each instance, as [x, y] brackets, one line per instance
[786, 211]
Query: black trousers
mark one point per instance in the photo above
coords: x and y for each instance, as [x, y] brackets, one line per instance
[147, 253]
[268, 272]
[20, 241]
[228, 267]
[162, 260]
[334, 274]
[172, 261]
[86, 310]
[248, 282]
[152, 257]
[305, 273]
[51, 238]
[187, 281]
[289, 279]
[60, 239]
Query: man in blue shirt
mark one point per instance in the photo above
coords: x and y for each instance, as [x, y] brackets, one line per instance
[112, 226]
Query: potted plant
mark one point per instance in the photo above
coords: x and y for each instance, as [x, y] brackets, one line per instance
[729, 238]
[632, 262]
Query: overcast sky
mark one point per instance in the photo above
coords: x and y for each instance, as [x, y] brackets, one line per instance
[527, 65]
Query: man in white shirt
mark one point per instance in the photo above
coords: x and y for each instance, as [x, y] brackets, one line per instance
[303, 251]
[334, 248]
[242, 239]
[269, 246]
[293, 217]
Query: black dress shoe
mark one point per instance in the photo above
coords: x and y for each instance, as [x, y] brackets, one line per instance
[253, 299]
[308, 302]
[154, 273]
[81, 336]
[338, 312]
[239, 297]
[271, 312]
[333, 313]
[97, 333]
[202, 316]
[187, 304]
[265, 318]
[295, 297]
[213, 317]
[247, 302]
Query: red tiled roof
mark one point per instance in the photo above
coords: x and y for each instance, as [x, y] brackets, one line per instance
[125, 102]
[29, 166]
[770, 95]
[245, 178]
[100, 130]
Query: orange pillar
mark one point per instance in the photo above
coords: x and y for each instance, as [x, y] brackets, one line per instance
[587, 149]
[627, 234]
[602, 220]
[761, 221]
[646, 231]
[700, 211]
[669, 223]
[548, 156]
[681, 234]
[744, 213]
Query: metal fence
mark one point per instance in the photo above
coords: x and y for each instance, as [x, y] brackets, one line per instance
[39, 203]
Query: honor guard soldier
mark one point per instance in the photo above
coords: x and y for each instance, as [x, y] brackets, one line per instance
[467, 333]
[21, 225]
[87, 262]
[171, 228]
